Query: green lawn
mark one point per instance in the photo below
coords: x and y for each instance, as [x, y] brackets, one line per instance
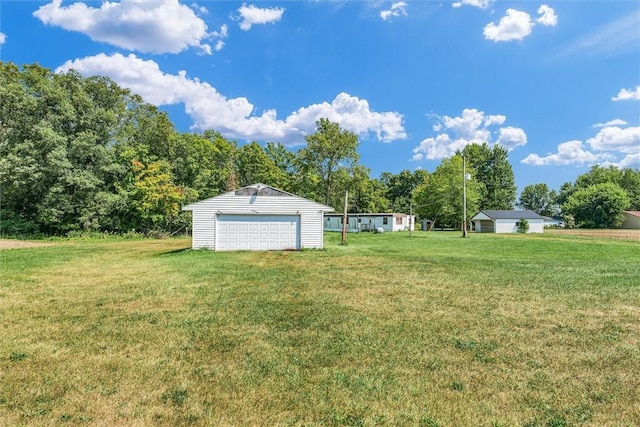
[432, 330]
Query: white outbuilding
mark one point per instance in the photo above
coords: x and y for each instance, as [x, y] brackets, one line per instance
[257, 218]
[631, 220]
[357, 222]
[507, 221]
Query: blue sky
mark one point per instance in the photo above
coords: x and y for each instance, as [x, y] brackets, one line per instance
[557, 83]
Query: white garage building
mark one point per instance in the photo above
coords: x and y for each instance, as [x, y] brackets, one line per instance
[502, 221]
[257, 218]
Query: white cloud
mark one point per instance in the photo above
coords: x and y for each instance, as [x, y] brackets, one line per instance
[3, 38]
[515, 25]
[220, 35]
[482, 4]
[440, 147]
[616, 139]
[235, 117]
[145, 26]
[511, 137]
[397, 9]
[548, 16]
[569, 153]
[203, 10]
[630, 161]
[608, 144]
[472, 127]
[614, 122]
[628, 95]
[254, 15]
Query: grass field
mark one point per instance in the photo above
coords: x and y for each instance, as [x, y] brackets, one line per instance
[432, 330]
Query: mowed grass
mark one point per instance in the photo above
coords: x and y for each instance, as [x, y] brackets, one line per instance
[429, 330]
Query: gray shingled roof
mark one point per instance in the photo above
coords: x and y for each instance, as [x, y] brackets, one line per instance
[522, 214]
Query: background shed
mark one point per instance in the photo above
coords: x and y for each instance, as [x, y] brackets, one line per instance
[507, 221]
[631, 220]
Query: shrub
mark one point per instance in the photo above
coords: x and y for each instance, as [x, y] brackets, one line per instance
[523, 226]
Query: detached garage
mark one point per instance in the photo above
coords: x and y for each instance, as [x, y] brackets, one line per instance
[502, 221]
[257, 218]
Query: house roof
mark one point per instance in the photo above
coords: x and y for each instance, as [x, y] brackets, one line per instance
[258, 192]
[510, 214]
[633, 213]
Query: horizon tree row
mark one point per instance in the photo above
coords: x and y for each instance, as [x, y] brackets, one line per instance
[81, 154]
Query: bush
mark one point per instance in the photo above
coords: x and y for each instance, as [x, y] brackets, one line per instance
[14, 226]
[523, 226]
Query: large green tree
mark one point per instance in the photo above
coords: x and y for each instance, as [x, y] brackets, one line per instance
[254, 165]
[286, 161]
[399, 187]
[440, 197]
[598, 205]
[627, 178]
[328, 150]
[494, 172]
[540, 199]
[57, 169]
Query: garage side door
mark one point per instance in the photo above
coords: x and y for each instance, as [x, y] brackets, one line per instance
[257, 232]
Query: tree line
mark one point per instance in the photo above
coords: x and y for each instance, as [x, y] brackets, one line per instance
[81, 154]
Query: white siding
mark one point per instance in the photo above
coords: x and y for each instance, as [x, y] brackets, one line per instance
[509, 225]
[204, 229]
[311, 236]
[506, 226]
[205, 216]
[364, 222]
[536, 225]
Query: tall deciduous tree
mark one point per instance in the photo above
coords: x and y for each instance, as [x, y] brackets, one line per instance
[56, 162]
[400, 187]
[494, 172]
[286, 161]
[598, 205]
[540, 199]
[254, 166]
[440, 198]
[628, 179]
[329, 149]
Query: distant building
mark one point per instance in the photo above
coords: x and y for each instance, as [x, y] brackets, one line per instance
[631, 220]
[501, 221]
[554, 222]
[357, 222]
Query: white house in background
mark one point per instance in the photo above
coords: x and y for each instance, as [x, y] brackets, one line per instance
[370, 222]
[631, 220]
[499, 221]
[554, 222]
[257, 218]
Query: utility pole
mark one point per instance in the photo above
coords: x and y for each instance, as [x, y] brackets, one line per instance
[410, 216]
[345, 218]
[464, 197]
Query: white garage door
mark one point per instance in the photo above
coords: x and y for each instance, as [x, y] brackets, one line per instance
[257, 232]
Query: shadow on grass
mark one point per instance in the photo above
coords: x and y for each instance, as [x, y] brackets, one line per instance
[175, 251]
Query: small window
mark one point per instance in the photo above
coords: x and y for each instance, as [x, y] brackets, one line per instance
[341, 220]
[385, 220]
[399, 221]
[517, 223]
[359, 220]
